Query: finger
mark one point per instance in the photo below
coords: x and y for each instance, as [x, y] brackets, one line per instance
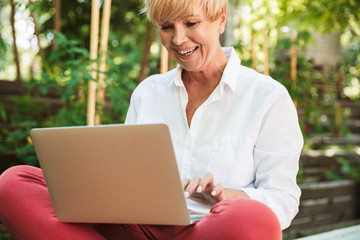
[218, 189]
[206, 183]
[185, 182]
[190, 188]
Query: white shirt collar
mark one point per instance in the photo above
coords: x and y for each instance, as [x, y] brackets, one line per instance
[230, 73]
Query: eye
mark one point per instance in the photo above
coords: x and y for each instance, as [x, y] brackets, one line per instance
[166, 27]
[191, 24]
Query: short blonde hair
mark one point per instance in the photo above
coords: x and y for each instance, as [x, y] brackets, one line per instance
[160, 11]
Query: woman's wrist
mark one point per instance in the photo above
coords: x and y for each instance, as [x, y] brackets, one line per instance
[229, 193]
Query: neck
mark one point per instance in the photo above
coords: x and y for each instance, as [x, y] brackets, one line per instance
[211, 75]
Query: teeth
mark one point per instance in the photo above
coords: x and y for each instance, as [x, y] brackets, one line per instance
[188, 52]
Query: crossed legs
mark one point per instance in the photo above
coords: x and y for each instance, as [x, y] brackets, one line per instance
[26, 211]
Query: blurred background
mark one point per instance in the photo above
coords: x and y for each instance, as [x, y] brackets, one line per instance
[311, 47]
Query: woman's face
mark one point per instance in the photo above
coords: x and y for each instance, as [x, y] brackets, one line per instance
[193, 42]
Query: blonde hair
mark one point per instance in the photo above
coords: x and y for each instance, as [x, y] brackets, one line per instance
[160, 11]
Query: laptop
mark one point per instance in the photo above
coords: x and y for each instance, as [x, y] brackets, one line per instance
[112, 174]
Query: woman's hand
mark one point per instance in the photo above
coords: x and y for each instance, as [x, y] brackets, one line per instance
[203, 190]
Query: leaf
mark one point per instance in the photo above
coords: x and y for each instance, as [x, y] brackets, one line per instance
[3, 112]
[55, 55]
[43, 89]
[84, 52]
[60, 39]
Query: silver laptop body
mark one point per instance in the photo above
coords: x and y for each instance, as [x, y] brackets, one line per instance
[112, 174]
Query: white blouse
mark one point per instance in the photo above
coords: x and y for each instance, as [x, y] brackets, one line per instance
[246, 133]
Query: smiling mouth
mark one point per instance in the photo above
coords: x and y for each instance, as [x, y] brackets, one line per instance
[187, 52]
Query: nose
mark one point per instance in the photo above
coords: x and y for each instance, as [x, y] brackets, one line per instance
[179, 36]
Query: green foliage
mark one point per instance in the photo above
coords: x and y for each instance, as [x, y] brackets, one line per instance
[351, 68]
[67, 76]
[76, 17]
[347, 171]
[21, 114]
[305, 94]
[66, 73]
[2, 46]
[4, 235]
[6, 57]
[330, 15]
[317, 105]
[3, 116]
[322, 15]
[300, 177]
[66, 70]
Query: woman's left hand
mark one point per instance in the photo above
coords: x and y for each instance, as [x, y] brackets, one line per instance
[204, 190]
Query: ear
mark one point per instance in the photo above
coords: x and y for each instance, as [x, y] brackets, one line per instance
[222, 23]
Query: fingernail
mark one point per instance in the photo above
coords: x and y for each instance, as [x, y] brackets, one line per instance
[213, 193]
[199, 189]
[186, 194]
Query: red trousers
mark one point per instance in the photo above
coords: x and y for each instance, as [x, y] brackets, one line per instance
[26, 211]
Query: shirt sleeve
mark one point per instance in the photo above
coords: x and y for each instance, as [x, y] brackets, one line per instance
[132, 114]
[276, 156]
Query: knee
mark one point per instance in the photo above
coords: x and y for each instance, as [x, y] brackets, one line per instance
[249, 219]
[14, 173]
[12, 180]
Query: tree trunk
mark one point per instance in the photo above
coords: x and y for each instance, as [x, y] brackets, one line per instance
[57, 21]
[16, 54]
[145, 62]
[37, 34]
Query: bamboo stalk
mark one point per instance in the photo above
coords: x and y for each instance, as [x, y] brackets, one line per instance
[293, 61]
[103, 50]
[253, 52]
[266, 52]
[94, 39]
[164, 60]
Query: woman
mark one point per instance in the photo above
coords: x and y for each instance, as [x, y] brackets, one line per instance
[235, 134]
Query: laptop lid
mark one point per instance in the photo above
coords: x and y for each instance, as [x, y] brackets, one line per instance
[112, 174]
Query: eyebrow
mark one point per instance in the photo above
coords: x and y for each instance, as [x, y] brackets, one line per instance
[192, 15]
[184, 18]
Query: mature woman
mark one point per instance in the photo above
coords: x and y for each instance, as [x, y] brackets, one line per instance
[235, 134]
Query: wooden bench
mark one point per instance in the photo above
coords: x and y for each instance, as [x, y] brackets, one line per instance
[348, 233]
[327, 202]
[324, 204]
